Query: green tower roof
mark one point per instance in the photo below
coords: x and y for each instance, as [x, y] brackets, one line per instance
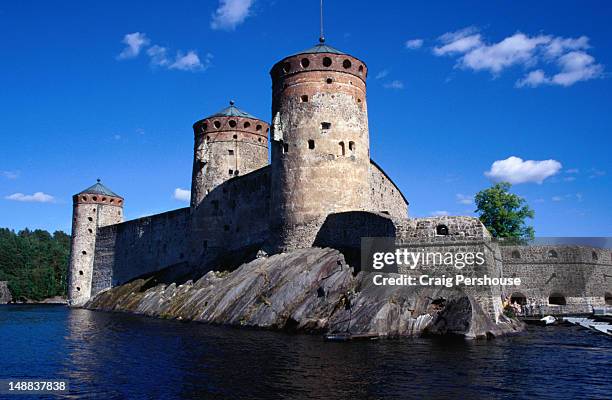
[232, 111]
[99, 188]
[320, 48]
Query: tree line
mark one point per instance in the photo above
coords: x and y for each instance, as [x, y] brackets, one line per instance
[34, 262]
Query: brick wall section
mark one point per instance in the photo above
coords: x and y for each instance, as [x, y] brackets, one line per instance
[130, 249]
[385, 196]
[583, 275]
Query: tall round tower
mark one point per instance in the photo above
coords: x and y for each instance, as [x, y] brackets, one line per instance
[320, 148]
[94, 207]
[227, 144]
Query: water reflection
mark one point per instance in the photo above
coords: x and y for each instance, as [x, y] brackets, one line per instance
[124, 356]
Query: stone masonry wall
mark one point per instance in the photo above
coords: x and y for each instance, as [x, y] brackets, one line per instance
[234, 216]
[581, 275]
[133, 248]
[385, 196]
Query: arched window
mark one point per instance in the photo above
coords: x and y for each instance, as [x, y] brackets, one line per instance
[442, 230]
[352, 147]
[341, 150]
[556, 299]
[552, 254]
[516, 254]
[518, 298]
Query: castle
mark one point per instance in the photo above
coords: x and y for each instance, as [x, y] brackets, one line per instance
[320, 189]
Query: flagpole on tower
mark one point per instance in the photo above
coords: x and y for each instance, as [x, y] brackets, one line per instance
[322, 36]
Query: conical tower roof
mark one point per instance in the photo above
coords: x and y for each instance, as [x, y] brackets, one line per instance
[99, 188]
[232, 111]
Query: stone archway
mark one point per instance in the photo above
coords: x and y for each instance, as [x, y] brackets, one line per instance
[608, 298]
[557, 299]
[518, 298]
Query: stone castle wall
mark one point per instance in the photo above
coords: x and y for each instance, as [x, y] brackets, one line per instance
[127, 250]
[385, 196]
[580, 275]
[233, 217]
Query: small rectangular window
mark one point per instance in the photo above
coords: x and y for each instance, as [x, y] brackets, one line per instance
[230, 152]
[304, 98]
[285, 148]
[311, 144]
[325, 125]
[231, 172]
[352, 146]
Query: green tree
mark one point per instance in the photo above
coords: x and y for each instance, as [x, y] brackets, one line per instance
[504, 213]
[34, 263]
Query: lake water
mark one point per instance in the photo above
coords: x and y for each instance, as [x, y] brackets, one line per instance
[109, 356]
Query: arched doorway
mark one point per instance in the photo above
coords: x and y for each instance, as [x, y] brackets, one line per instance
[556, 299]
[518, 298]
[608, 299]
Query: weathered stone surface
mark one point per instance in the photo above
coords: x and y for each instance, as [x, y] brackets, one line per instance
[304, 290]
[5, 293]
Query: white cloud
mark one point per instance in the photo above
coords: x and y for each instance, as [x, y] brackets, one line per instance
[135, 43]
[440, 213]
[182, 194]
[10, 174]
[382, 74]
[397, 85]
[572, 171]
[38, 197]
[414, 44]
[596, 173]
[158, 55]
[569, 178]
[230, 14]
[514, 170]
[567, 54]
[557, 198]
[463, 199]
[190, 62]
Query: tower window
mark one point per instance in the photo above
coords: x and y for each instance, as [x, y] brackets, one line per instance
[361, 69]
[341, 149]
[346, 64]
[325, 125]
[285, 148]
[217, 124]
[247, 124]
[304, 98]
[90, 230]
[236, 172]
[329, 80]
[259, 140]
[287, 67]
[231, 172]
[327, 62]
[94, 198]
[84, 198]
[352, 146]
[78, 289]
[84, 252]
[230, 152]
[235, 136]
[594, 256]
[232, 123]
[204, 127]
[552, 254]
[311, 144]
[89, 219]
[258, 127]
[80, 272]
[305, 63]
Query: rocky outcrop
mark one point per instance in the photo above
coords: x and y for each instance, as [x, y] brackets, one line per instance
[308, 290]
[5, 293]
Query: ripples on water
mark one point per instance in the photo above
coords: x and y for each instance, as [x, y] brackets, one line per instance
[124, 356]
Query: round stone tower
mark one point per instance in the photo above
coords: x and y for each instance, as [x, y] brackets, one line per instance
[320, 148]
[227, 144]
[92, 208]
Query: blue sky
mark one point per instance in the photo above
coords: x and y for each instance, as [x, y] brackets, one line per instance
[453, 88]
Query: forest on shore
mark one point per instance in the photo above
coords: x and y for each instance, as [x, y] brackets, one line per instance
[34, 262]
